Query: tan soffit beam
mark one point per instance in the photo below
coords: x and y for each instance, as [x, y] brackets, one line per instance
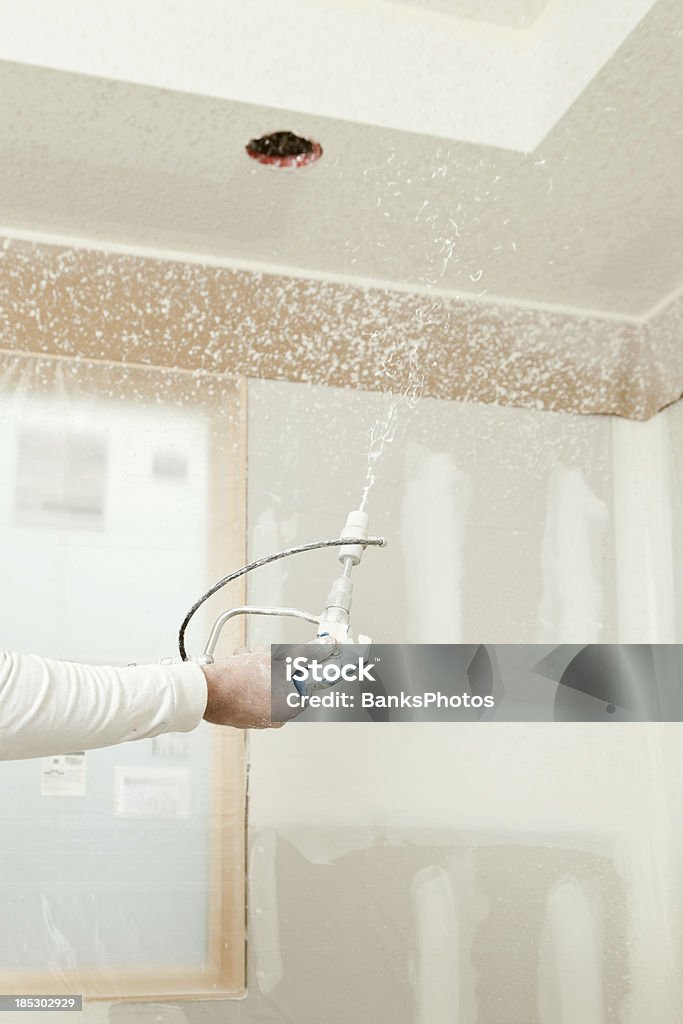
[93, 304]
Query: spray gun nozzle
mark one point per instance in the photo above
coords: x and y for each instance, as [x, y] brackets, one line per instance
[335, 619]
[356, 529]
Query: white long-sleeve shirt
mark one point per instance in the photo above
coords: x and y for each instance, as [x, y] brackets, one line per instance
[58, 707]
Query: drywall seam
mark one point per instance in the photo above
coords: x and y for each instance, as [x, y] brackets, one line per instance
[437, 970]
[571, 559]
[433, 528]
[646, 602]
[662, 306]
[263, 913]
[574, 949]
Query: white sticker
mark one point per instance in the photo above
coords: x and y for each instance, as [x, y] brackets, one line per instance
[142, 792]
[61, 476]
[171, 744]
[63, 775]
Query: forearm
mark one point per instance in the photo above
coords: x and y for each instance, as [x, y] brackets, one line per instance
[53, 707]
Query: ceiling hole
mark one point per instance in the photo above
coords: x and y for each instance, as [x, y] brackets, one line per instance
[284, 149]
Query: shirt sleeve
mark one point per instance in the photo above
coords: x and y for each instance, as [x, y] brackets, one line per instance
[58, 707]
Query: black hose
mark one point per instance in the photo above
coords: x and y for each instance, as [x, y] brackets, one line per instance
[338, 542]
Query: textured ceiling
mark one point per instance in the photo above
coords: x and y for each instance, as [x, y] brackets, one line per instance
[374, 62]
[592, 219]
[514, 13]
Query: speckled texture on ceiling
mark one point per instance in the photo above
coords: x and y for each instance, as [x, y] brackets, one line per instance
[592, 220]
[97, 305]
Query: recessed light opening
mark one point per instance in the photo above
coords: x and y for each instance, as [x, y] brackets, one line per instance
[284, 149]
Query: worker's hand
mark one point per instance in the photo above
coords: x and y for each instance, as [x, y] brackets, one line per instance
[239, 691]
[239, 688]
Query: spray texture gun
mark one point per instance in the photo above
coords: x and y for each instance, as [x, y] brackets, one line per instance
[333, 623]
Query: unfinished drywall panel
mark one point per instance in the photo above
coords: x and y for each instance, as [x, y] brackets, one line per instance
[514, 525]
[498, 519]
[539, 848]
[481, 875]
[532, 843]
[674, 419]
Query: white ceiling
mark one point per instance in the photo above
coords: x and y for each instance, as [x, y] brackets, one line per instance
[513, 13]
[591, 219]
[391, 65]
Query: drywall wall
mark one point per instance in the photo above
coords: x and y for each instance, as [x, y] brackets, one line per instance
[491, 874]
[499, 520]
[434, 873]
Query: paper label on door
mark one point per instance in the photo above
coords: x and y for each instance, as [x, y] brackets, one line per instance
[142, 792]
[171, 744]
[63, 775]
